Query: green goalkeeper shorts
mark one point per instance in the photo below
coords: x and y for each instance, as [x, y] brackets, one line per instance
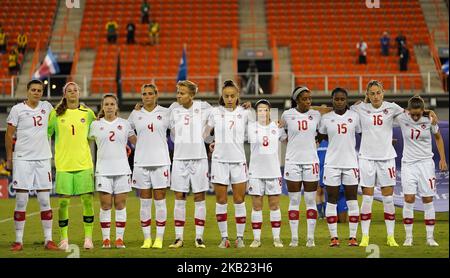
[75, 183]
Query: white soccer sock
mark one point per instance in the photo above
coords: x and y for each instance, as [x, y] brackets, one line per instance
[408, 218]
[257, 219]
[19, 214]
[146, 217]
[389, 214]
[200, 217]
[430, 219]
[353, 217]
[179, 215]
[331, 214]
[221, 216]
[105, 223]
[46, 214]
[311, 212]
[161, 217]
[293, 213]
[121, 220]
[240, 214]
[366, 214]
[275, 221]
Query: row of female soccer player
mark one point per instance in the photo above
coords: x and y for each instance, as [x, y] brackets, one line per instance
[191, 124]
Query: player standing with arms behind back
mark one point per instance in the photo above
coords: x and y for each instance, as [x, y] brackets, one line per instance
[418, 170]
[31, 160]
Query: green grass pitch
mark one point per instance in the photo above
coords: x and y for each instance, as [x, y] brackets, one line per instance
[33, 238]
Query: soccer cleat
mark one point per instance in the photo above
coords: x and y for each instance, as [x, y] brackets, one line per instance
[334, 242]
[364, 241]
[255, 244]
[17, 246]
[294, 242]
[352, 242]
[158, 243]
[177, 244]
[106, 244]
[408, 242]
[199, 243]
[391, 241]
[147, 243]
[120, 244]
[277, 243]
[51, 245]
[88, 244]
[310, 242]
[240, 242]
[431, 242]
[64, 245]
[225, 243]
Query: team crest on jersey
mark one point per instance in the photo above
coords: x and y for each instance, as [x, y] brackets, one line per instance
[250, 188]
[423, 126]
[159, 117]
[350, 120]
[273, 131]
[196, 110]
[385, 111]
[310, 118]
[287, 174]
[43, 111]
[119, 127]
[134, 181]
[239, 116]
[62, 121]
[83, 120]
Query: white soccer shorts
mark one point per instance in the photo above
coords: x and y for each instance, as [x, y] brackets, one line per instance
[151, 177]
[301, 172]
[337, 176]
[32, 174]
[228, 173]
[419, 177]
[261, 187]
[113, 184]
[190, 172]
[377, 172]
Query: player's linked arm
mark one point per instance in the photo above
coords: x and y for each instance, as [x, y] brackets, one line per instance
[441, 151]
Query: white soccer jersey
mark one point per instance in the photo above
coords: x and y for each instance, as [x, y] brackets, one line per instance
[230, 133]
[111, 139]
[189, 125]
[151, 128]
[341, 131]
[416, 137]
[264, 145]
[376, 127]
[301, 131]
[31, 131]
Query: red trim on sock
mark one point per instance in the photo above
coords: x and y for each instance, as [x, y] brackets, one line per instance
[221, 217]
[160, 223]
[294, 215]
[366, 216]
[179, 223]
[430, 222]
[146, 223]
[105, 225]
[256, 225]
[199, 222]
[332, 219]
[389, 216]
[275, 224]
[353, 219]
[19, 215]
[311, 214]
[120, 224]
[46, 215]
[241, 220]
[408, 220]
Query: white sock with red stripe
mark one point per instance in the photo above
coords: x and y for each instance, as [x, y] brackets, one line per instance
[275, 221]
[46, 214]
[311, 213]
[240, 214]
[293, 213]
[179, 213]
[408, 219]
[366, 214]
[161, 217]
[221, 216]
[389, 214]
[20, 214]
[331, 214]
[430, 219]
[353, 217]
[257, 219]
[121, 221]
[146, 217]
[200, 217]
[105, 223]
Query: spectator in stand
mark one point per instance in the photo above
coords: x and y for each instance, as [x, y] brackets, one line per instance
[131, 28]
[2, 41]
[385, 43]
[22, 41]
[154, 32]
[404, 57]
[111, 31]
[145, 9]
[399, 39]
[362, 51]
[13, 61]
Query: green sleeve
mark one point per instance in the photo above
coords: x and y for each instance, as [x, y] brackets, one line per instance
[51, 123]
